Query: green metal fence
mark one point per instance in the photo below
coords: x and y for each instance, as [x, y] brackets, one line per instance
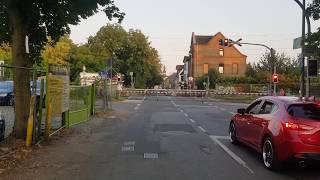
[81, 104]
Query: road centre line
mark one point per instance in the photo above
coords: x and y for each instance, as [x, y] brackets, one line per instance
[231, 154]
[192, 120]
[201, 128]
[186, 114]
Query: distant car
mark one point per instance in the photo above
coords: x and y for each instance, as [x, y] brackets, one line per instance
[280, 128]
[6, 93]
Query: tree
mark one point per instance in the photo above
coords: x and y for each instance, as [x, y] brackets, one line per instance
[213, 78]
[38, 20]
[131, 52]
[59, 52]
[5, 53]
[314, 11]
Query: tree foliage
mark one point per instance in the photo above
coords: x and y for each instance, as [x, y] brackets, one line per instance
[38, 20]
[130, 52]
[213, 76]
[58, 53]
[5, 53]
[314, 11]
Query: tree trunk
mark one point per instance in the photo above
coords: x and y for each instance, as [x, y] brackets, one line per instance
[21, 76]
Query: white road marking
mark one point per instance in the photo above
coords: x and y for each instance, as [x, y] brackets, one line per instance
[181, 110]
[186, 114]
[201, 128]
[192, 120]
[129, 143]
[111, 117]
[136, 108]
[232, 113]
[215, 106]
[221, 137]
[150, 155]
[127, 148]
[222, 109]
[138, 104]
[231, 154]
[210, 104]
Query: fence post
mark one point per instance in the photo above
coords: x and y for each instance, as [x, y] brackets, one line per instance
[48, 121]
[40, 108]
[93, 99]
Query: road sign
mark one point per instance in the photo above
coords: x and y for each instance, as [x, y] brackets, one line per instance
[104, 74]
[297, 43]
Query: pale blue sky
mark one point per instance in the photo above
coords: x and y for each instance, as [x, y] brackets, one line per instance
[169, 24]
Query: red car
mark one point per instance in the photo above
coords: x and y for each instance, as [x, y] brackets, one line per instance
[280, 128]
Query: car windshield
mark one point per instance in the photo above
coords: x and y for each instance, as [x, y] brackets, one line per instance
[306, 111]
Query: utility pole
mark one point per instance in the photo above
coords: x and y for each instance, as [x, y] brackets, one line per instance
[303, 38]
[305, 17]
[273, 59]
[105, 101]
[110, 100]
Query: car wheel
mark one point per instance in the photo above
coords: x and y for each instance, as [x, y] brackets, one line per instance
[269, 156]
[232, 133]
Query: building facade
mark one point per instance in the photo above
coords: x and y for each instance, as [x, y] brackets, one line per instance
[206, 53]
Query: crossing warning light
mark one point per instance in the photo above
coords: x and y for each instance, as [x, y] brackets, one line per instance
[275, 78]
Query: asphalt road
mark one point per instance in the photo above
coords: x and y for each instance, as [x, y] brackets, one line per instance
[162, 138]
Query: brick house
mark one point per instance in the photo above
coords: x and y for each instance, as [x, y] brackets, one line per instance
[206, 54]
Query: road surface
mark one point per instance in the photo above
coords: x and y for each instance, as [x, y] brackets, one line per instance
[155, 138]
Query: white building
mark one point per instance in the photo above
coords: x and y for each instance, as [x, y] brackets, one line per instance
[87, 79]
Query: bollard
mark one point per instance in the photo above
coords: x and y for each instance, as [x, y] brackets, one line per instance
[30, 122]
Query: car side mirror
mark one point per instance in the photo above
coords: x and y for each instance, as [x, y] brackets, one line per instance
[241, 111]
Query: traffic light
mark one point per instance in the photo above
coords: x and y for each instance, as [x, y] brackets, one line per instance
[313, 67]
[275, 78]
[224, 42]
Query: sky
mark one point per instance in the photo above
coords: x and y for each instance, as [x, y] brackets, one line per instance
[170, 23]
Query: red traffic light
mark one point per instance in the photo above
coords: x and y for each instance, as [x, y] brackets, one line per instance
[275, 78]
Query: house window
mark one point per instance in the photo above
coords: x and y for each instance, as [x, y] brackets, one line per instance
[221, 68]
[234, 68]
[221, 52]
[205, 68]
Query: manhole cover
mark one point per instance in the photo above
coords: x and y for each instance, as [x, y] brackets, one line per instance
[150, 156]
[174, 127]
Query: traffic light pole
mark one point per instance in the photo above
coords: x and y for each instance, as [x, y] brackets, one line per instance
[305, 17]
[272, 56]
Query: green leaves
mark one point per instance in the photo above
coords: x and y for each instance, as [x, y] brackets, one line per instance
[130, 50]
